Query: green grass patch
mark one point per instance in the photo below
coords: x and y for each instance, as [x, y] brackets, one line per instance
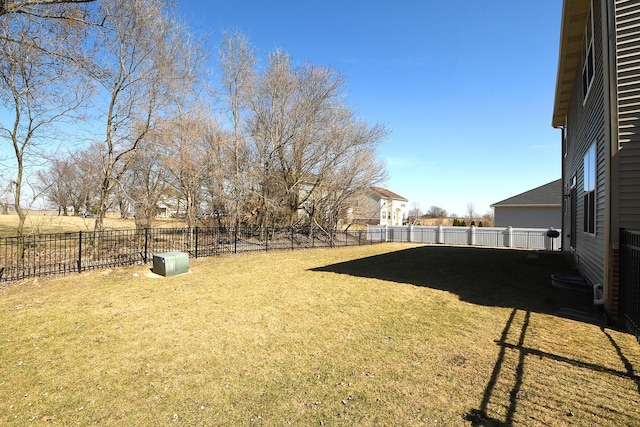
[391, 334]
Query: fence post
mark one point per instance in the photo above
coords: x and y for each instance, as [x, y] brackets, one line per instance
[472, 235]
[235, 238]
[197, 232]
[508, 237]
[80, 251]
[146, 244]
[291, 238]
[439, 234]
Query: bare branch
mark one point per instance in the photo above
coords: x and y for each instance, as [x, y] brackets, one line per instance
[30, 6]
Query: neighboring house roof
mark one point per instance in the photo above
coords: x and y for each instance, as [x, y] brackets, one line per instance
[546, 195]
[383, 193]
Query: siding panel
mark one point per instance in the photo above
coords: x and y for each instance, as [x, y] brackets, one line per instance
[628, 69]
[585, 126]
[627, 18]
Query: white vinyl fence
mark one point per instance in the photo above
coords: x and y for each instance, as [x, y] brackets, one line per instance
[507, 237]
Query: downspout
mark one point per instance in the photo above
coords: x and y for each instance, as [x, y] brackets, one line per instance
[563, 145]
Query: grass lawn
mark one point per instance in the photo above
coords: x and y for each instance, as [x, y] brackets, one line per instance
[391, 334]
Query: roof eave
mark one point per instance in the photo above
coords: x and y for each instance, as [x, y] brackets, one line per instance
[574, 17]
[530, 205]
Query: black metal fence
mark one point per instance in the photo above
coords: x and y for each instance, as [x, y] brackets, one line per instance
[59, 253]
[630, 281]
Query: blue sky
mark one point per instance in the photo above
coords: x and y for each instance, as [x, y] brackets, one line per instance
[466, 87]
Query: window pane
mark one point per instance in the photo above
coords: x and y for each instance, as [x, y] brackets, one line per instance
[589, 28]
[585, 172]
[585, 202]
[590, 64]
[589, 169]
[592, 211]
[592, 168]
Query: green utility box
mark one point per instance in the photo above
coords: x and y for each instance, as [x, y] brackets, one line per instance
[170, 263]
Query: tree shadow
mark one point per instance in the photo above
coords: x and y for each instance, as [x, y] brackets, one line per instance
[515, 279]
[515, 374]
[492, 277]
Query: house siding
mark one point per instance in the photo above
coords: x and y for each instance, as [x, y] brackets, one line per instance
[528, 216]
[586, 126]
[627, 31]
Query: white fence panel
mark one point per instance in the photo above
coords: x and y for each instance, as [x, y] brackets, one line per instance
[522, 238]
[490, 236]
[398, 234]
[423, 234]
[455, 236]
[529, 238]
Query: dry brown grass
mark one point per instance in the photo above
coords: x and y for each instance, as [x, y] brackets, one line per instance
[49, 222]
[390, 334]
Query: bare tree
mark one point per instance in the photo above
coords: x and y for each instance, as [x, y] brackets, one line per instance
[187, 141]
[83, 183]
[488, 219]
[345, 188]
[5, 191]
[471, 211]
[415, 213]
[436, 212]
[148, 183]
[139, 68]
[217, 185]
[69, 19]
[40, 92]
[37, 8]
[237, 79]
[53, 184]
[303, 134]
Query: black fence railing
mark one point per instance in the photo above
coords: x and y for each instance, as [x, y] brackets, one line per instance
[629, 276]
[59, 253]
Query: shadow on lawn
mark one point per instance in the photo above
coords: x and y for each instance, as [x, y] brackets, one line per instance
[492, 277]
[506, 278]
[517, 396]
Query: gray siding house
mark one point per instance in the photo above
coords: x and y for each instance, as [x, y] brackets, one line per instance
[540, 207]
[597, 107]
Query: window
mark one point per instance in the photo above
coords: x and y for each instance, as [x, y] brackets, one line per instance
[588, 60]
[590, 190]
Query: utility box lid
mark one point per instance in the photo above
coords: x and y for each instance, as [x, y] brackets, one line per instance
[170, 263]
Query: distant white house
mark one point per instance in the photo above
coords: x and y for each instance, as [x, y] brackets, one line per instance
[392, 208]
[537, 208]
